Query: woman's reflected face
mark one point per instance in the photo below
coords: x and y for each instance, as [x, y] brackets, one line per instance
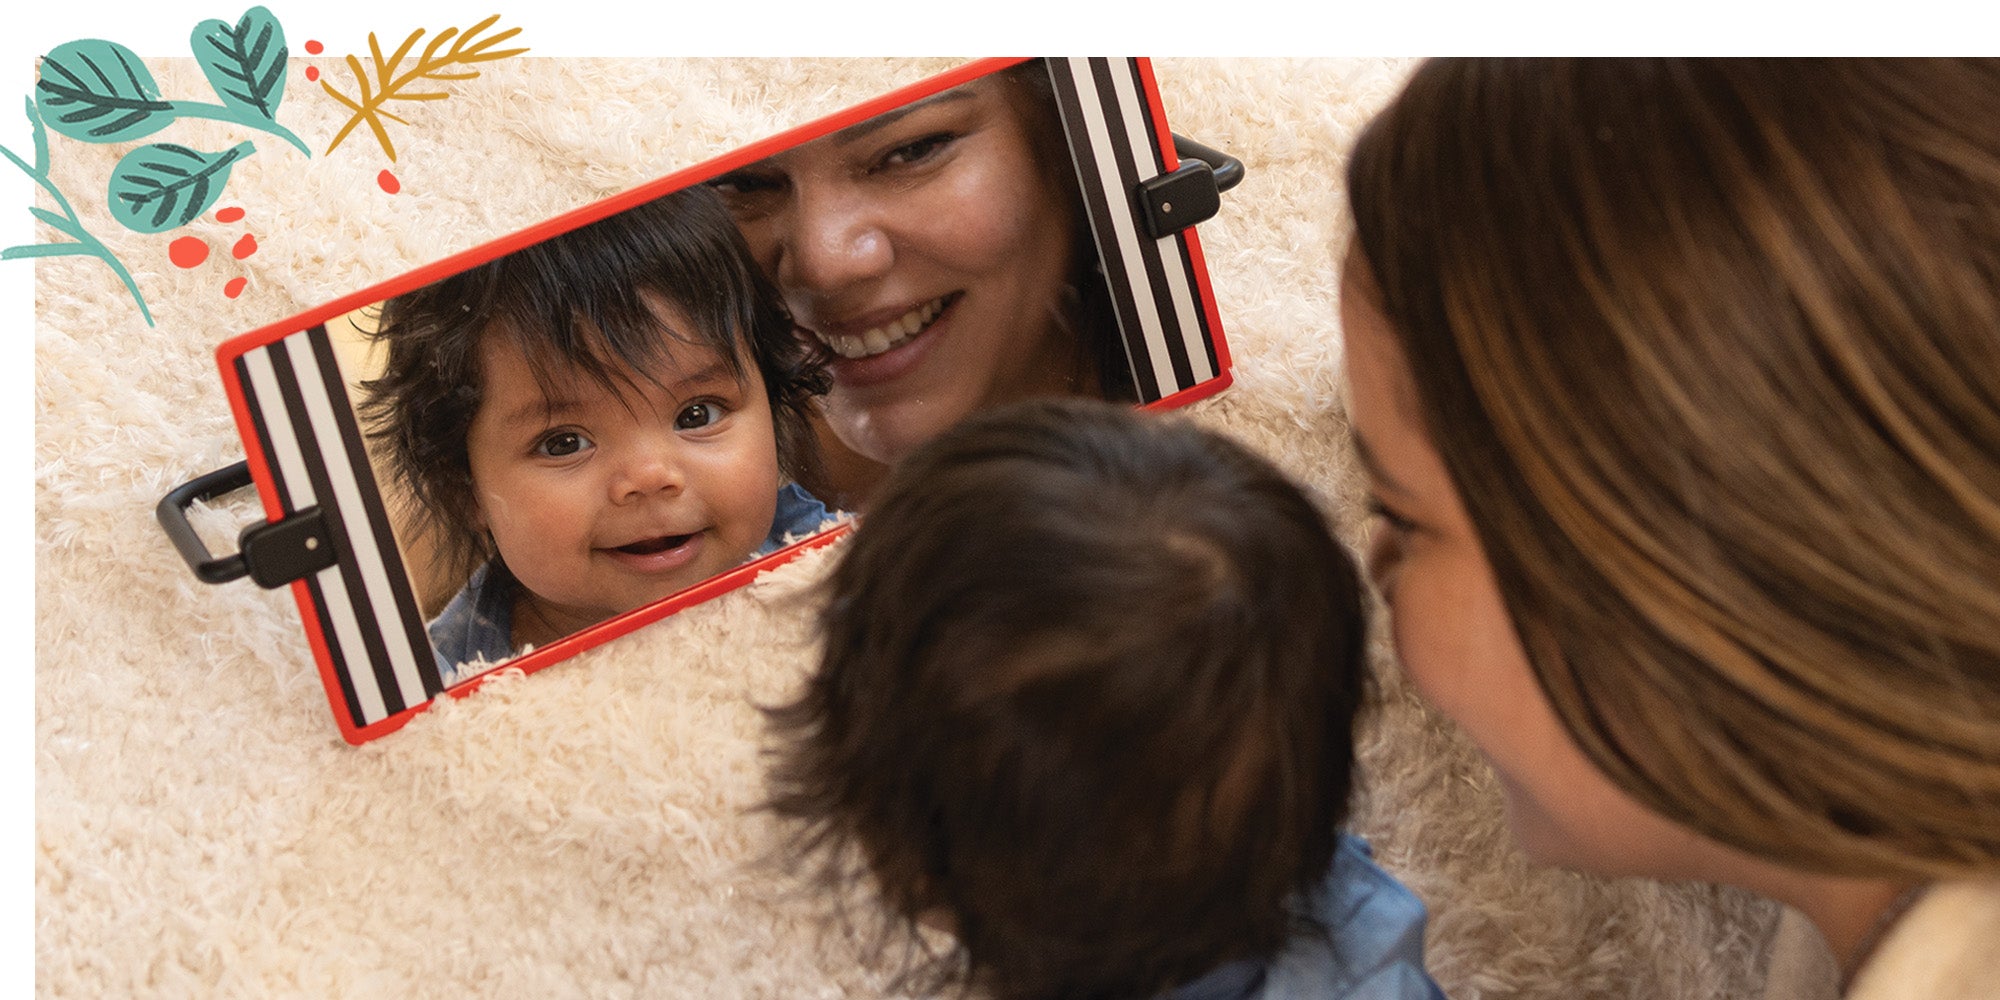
[930, 249]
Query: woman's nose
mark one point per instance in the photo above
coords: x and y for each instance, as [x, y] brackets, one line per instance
[835, 242]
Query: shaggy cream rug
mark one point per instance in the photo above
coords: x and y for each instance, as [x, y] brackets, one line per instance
[203, 831]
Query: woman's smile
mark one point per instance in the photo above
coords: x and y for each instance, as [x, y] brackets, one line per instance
[876, 339]
[883, 354]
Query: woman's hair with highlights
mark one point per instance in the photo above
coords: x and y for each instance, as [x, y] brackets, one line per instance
[1711, 350]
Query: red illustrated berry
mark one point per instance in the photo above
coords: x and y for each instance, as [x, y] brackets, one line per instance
[388, 182]
[314, 47]
[235, 286]
[312, 73]
[244, 247]
[229, 215]
[188, 251]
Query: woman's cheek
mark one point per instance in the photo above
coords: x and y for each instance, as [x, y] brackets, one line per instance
[1446, 637]
[992, 213]
[763, 238]
[1410, 631]
[1409, 617]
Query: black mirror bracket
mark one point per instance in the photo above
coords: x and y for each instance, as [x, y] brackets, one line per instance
[271, 553]
[1191, 193]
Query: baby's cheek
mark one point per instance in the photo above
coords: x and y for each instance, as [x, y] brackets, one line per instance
[511, 524]
[496, 514]
[754, 519]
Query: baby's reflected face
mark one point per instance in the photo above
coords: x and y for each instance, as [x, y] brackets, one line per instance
[602, 502]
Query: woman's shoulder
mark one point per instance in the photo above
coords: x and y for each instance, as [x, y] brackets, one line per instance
[1942, 949]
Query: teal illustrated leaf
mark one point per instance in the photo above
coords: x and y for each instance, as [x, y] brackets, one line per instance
[61, 224]
[161, 186]
[244, 62]
[99, 91]
[34, 250]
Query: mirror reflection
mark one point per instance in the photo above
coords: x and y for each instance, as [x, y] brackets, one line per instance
[591, 424]
[598, 421]
[941, 255]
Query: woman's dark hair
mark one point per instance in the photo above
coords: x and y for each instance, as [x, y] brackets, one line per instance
[1088, 689]
[1091, 311]
[578, 301]
[1709, 349]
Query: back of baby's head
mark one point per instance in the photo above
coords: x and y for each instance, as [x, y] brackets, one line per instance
[581, 305]
[1088, 689]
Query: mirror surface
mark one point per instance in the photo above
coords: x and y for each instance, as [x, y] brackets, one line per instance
[600, 420]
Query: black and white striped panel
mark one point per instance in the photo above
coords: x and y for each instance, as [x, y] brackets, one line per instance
[1115, 145]
[367, 612]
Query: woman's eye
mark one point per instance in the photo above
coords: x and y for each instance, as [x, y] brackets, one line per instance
[1396, 523]
[744, 182]
[1384, 554]
[562, 444]
[916, 152]
[695, 416]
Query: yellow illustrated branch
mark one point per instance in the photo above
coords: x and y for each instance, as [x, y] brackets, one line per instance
[432, 65]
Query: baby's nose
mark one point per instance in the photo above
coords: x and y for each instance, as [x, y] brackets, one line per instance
[645, 473]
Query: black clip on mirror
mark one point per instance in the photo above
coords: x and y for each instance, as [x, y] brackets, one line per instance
[271, 553]
[1192, 192]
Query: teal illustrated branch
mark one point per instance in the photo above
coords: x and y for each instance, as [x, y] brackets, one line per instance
[99, 91]
[96, 91]
[80, 242]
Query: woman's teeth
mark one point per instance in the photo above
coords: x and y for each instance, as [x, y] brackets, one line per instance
[884, 337]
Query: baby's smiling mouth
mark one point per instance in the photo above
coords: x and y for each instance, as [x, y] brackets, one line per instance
[895, 333]
[652, 546]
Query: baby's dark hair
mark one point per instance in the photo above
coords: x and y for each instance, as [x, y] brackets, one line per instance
[578, 300]
[1088, 692]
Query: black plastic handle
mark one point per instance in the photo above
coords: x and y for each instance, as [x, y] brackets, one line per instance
[172, 513]
[272, 553]
[1190, 193]
[1228, 169]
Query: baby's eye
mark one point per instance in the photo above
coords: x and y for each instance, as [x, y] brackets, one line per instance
[562, 444]
[695, 416]
[923, 149]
